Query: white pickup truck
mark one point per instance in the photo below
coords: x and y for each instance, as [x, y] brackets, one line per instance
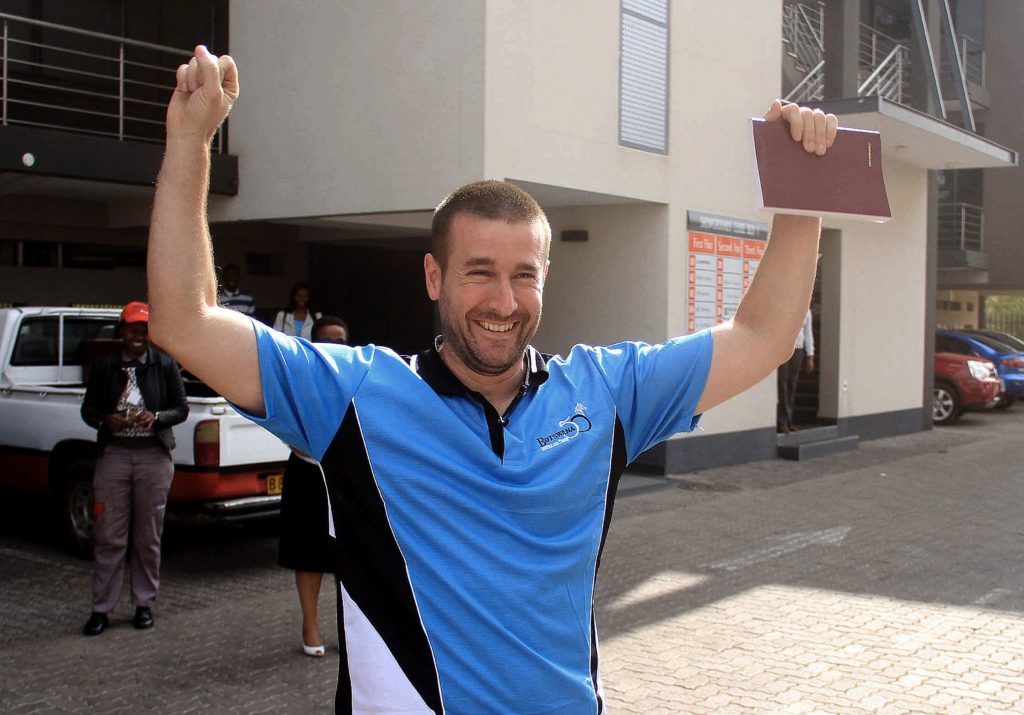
[225, 466]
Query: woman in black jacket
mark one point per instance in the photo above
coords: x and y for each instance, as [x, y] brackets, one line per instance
[133, 398]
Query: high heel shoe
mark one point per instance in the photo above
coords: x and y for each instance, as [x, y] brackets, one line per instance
[316, 651]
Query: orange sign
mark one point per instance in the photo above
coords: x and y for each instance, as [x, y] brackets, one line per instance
[729, 246]
[702, 243]
[753, 250]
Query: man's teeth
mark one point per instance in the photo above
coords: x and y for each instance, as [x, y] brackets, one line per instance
[497, 327]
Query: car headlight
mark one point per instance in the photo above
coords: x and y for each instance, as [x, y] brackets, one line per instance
[980, 370]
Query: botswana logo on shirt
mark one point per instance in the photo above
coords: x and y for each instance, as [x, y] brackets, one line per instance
[569, 428]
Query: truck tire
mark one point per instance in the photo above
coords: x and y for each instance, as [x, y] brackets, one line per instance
[75, 507]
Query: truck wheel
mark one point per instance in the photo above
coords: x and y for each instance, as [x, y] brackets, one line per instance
[75, 507]
[945, 403]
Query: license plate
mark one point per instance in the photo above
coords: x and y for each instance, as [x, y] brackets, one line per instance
[274, 483]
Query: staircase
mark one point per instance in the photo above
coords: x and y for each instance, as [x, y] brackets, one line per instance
[883, 65]
[810, 442]
[803, 42]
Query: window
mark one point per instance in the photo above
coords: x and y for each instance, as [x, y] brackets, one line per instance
[79, 330]
[946, 344]
[37, 342]
[643, 75]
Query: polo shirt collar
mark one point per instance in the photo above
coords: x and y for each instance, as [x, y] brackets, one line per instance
[429, 366]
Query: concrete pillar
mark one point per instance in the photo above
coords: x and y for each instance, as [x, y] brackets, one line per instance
[841, 38]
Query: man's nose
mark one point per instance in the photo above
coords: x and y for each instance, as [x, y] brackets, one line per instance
[503, 298]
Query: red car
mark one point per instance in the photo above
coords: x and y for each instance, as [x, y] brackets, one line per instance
[962, 383]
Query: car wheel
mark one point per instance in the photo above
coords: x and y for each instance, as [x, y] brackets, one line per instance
[75, 507]
[1005, 402]
[945, 404]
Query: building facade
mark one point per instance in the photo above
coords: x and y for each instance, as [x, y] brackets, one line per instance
[628, 121]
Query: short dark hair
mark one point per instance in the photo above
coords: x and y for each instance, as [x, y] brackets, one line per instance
[490, 199]
[326, 320]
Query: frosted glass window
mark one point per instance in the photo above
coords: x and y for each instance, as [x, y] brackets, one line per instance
[643, 75]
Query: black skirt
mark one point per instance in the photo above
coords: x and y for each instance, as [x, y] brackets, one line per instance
[306, 543]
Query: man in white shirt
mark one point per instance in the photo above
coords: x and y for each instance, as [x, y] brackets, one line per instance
[789, 372]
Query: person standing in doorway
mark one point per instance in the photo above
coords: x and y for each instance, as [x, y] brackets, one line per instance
[231, 296]
[789, 373]
[307, 530]
[133, 398]
[297, 318]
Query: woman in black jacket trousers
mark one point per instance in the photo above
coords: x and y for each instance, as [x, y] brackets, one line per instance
[133, 398]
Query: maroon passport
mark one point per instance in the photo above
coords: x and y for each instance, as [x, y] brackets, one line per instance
[845, 183]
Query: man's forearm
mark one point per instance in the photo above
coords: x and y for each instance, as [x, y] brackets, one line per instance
[180, 262]
[776, 303]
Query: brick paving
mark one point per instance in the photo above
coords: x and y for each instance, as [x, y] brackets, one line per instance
[887, 580]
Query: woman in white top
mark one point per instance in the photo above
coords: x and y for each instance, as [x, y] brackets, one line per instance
[298, 318]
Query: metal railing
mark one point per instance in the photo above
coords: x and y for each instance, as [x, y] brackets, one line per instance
[972, 54]
[61, 77]
[1012, 323]
[886, 62]
[803, 29]
[811, 88]
[961, 226]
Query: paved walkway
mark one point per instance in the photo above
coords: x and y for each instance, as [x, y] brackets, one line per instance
[887, 580]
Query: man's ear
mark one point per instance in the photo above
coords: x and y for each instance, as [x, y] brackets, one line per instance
[432, 274]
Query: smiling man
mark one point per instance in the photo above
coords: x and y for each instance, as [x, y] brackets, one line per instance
[471, 485]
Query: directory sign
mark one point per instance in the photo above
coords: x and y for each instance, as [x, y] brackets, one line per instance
[723, 255]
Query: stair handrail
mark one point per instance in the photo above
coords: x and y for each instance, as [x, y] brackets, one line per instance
[802, 28]
[890, 68]
[818, 35]
[809, 79]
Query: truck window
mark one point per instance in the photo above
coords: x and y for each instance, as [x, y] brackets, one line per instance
[36, 343]
[78, 330]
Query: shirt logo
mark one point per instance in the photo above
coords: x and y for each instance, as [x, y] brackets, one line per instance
[569, 428]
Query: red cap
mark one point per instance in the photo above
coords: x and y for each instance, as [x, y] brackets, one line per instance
[135, 312]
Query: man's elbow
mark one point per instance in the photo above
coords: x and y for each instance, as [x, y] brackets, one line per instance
[783, 353]
[167, 328]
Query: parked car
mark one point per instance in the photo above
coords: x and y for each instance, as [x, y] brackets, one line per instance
[1008, 361]
[1011, 340]
[962, 383]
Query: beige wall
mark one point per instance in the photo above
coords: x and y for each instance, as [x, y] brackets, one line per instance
[552, 100]
[965, 317]
[408, 100]
[349, 107]
[725, 70]
[882, 302]
[610, 288]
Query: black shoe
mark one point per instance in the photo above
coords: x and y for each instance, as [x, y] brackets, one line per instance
[96, 624]
[143, 617]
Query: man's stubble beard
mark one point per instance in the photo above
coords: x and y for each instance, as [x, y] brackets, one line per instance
[461, 343]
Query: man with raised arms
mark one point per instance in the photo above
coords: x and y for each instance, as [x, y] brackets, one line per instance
[468, 541]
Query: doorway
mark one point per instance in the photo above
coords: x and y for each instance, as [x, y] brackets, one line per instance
[380, 293]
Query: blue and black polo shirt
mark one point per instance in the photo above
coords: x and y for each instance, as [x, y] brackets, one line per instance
[468, 541]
